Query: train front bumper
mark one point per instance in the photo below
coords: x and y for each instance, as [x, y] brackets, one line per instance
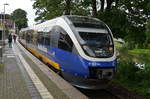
[86, 83]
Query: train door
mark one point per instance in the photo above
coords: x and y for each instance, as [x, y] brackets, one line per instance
[64, 53]
[40, 42]
[54, 36]
[34, 40]
[46, 43]
[28, 38]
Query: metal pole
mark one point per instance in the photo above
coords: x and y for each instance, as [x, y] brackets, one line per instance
[4, 24]
[1, 26]
[4, 27]
[3, 36]
[1, 52]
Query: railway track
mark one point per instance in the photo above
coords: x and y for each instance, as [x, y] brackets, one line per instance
[98, 94]
[114, 91]
[123, 92]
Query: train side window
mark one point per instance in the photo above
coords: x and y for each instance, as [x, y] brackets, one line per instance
[50, 34]
[47, 39]
[0, 35]
[28, 38]
[38, 39]
[54, 38]
[31, 38]
[65, 42]
[23, 36]
[42, 40]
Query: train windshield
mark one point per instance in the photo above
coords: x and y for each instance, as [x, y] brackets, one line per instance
[98, 45]
[86, 22]
[93, 35]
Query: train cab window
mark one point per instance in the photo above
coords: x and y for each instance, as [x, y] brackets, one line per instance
[65, 42]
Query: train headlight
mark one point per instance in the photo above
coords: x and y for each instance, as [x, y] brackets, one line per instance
[98, 51]
[110, 49]
[84, 47]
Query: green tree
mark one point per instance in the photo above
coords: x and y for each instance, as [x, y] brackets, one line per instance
[102, 4]
[109, 4]
[94, 8]
[81, 7]
[116, 20]
[67, 7]
[126, 18]
[137, 12]
[48, 9]
[148, 32]
[20, 18]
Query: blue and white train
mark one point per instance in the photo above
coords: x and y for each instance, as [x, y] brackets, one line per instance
[80, 48]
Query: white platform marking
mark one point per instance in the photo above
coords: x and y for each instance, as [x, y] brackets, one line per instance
[36, 81]
[10, 56]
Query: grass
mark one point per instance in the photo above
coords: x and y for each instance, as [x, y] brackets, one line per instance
[140, 51]
[118, 45]
[129, 75]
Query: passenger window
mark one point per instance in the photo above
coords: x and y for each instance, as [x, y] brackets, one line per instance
[47, 41]
[28, 38]
[65, 42]
[47, 38]
[40, 38]
[54, 38]
[0, 35]
[23, 36]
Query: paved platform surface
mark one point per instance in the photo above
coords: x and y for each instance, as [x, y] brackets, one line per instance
[17, 83]
[12, 82]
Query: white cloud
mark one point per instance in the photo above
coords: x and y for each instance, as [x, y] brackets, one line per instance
[23, 4]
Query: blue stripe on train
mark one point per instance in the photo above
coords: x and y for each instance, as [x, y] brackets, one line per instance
[72, 63]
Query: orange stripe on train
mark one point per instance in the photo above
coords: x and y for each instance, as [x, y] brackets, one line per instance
[44, 58]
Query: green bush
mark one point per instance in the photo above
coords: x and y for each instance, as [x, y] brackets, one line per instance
[131, 76]
[127, 70]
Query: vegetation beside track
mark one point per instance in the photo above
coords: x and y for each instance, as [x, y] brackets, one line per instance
[140, 51]
[133, 70]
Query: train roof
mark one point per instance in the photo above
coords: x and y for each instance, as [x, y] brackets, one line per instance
[76, 20]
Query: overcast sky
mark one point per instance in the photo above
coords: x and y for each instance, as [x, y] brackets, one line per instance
[23, 4]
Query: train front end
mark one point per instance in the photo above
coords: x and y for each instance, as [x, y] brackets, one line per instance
[94, 55]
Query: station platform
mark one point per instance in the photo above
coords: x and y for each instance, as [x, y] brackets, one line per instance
[23, 76]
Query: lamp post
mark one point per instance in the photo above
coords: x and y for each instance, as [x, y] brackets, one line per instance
[3, 35]
[5, 4]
